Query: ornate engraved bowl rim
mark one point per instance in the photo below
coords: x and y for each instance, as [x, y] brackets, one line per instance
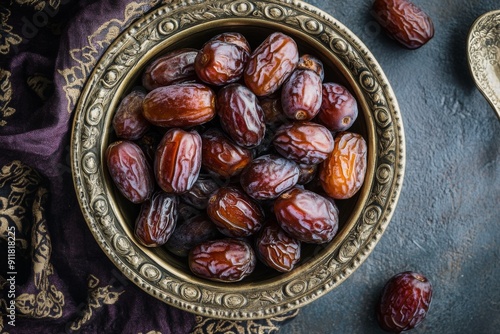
[331, 265]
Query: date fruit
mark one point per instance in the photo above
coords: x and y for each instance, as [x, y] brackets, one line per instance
[190, 233]
[224, 260]
[157, 219]
[277, 249]
[221, 156]
[267, 176]
[404, 21]
[343, 172]
[307, 216]
[200, 192]
[301, 95]
[128, 121]
[234, 213]
[304, 142]
[178, 160]
[233, 38]
[271, 63]
[180, 105]
[130, 171]
[241, 115]
[339, 108]
[404, 303]
[309, 62]
[173, 68]
[219, 62]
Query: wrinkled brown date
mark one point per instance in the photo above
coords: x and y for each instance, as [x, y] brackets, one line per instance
[174, 67]
[277, 249]
[404, 303]
[309, 62]
[128, 121]
[301, 95]
[224, 260]
[273, 111]
[180, 105]
[404, 21]
[343, 172]
[157, 219]
[304, 142]
[267, 176]
[233, 38]
[307, 173]
[271, 63]
[200, 192]
[178, 160]
[307, 216]
[188, 234]
[130, 171]
[234, 213]
[339, 108]
[220, 63]
[220, 155]
[241, 115]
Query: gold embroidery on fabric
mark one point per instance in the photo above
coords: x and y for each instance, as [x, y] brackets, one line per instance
[150, 332]
[5, 97]
[40, 4]
[217, 326]
[7, 37]
[23, 181]
[98, 297]
[41, 85]
[87, 56]
[47, 302]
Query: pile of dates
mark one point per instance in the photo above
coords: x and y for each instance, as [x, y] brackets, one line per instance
[236, 155]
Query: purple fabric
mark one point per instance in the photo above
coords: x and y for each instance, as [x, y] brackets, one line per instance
[63, 281]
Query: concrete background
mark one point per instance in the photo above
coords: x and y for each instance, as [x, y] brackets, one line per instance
[446, 224]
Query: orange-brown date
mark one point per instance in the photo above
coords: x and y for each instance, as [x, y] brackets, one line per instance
[219, 63]
[404, 21]
[128, 121]
[343, 172]
[221, 156]
[234, 213]
[180, 105]
[178, 160]
[277, 249]
[307, 216]
[224, 260]
[267, 176]
[301, 95]
[190, 233]
[304, 142]
[130, 171]
[172, 68]
[157, 219]
[271, 63]
[339, 108]
[241, 115]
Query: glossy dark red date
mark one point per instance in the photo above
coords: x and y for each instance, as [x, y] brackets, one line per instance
[178, 160]
[307, 216]
[157, 219]
[224, 260]
[130, 171]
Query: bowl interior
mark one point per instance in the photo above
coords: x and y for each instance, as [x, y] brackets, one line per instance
[255, 31]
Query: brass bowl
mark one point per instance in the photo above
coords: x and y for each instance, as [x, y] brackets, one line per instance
[363, 218]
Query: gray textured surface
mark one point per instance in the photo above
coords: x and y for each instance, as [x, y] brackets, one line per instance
[446, 224]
